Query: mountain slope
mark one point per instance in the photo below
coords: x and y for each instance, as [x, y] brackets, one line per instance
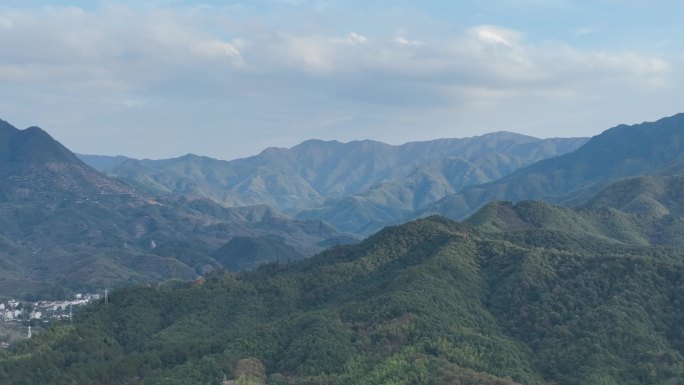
[243, 253]
[648, 196]
[316, 179]
[619, 152]
[65, 226]
[389, 202]
[428, 302]
[644, 211]
[33, 166]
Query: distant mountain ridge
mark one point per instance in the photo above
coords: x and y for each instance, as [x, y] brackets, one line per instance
[317, 179]
[620, 152]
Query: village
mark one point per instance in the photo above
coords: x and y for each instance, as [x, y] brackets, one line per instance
[18, 320]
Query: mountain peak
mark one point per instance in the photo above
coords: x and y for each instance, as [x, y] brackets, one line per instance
[6, 127]
[33, 145]
[35, 130]
[34, 163]
[191, 156]
[317, 142]
[507, 135]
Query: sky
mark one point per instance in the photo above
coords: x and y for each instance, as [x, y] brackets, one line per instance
[226, 79]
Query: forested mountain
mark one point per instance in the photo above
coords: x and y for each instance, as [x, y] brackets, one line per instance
[392, 201]
[524, 292]
[428, 302]
[648, 196]
[620, 152]
[66, 226]
[34, 167]
[357, 187]
[646, 210]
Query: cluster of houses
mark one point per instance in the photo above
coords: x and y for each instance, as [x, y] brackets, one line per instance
[14, 310]
[10, 310]
[17, 318]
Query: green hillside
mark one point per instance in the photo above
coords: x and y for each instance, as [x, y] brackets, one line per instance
[243, 253]
[428, 302]
[620, 152]
[637, 211]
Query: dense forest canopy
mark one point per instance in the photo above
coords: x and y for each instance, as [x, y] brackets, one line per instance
[430, 302]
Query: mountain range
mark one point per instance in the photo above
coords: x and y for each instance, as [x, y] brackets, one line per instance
[567, 271]
[66, 226]
[620, 152]
[360, 187]
[356, 187]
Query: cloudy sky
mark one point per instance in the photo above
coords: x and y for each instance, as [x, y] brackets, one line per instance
[154, 78]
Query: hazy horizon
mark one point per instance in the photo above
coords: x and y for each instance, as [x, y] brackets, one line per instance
[158, 79]
[306, 140]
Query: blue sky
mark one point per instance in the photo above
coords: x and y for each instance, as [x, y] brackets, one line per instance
[228, 78]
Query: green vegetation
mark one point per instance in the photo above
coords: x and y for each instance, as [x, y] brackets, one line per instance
[620, 152]
[524, 293]
[358, 187]
[244, 253]
[65, 227]
[428, 302]
[638, 211]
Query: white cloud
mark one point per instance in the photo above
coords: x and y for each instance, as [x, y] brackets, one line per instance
[351, 39]
[406, 42]
[217, 48]
[252, 73]
[496, 35]
[154, 49]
